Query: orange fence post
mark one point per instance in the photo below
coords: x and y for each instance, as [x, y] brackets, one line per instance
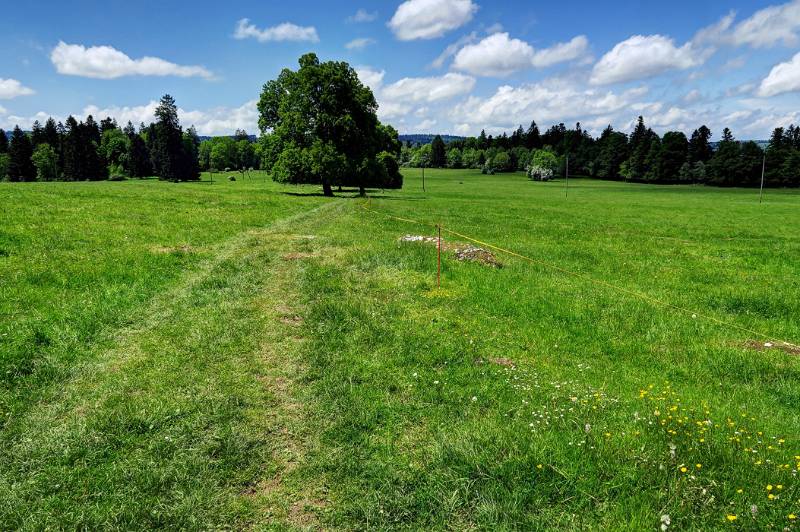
[439, 258]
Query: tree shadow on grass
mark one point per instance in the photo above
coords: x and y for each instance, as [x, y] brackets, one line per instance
[305, 194]
[343, 193]
[399, 198]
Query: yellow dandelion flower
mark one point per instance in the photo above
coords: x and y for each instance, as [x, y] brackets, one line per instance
[538, 466]
[769, 487]
[779, 486]
[791, 517]
[740, 490]
[731, 518]
[698, 466]
[770, 496]
[683, 470]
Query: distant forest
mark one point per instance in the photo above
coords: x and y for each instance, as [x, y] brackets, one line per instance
[92, 151]
[643, 156]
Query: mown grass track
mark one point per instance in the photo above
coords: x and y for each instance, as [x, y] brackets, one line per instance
[287, 381]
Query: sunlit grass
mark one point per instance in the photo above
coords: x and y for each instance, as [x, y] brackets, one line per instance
[176, 356]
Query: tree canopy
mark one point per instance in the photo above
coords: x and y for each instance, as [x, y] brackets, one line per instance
[320, 126]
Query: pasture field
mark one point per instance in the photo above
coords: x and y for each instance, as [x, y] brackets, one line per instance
[252, 355]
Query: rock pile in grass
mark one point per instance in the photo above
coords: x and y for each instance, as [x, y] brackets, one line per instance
[460, 250]
[476, 254]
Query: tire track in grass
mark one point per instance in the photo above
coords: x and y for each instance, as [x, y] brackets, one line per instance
[185, 413]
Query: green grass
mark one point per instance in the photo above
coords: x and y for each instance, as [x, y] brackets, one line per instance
[197, 355]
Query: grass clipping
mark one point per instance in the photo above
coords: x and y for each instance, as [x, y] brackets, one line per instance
[461, 251]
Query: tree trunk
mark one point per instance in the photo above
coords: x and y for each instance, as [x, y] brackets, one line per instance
[327, 190]
[362, 191]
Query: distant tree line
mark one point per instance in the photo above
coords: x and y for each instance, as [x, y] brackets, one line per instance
[642, 156]
[88, 151]
[226, 153]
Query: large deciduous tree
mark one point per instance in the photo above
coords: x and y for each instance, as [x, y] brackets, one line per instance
[319, 126]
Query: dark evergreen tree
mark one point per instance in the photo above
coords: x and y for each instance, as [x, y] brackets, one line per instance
[191, 146]
[137, 163]
[241, 134]
[94, 166]
[20, 166]
[674, 154]
[790, 172]
[723, 167]
[72, 169]
[652, 161]
[612, 152]
[37, 134]
[751, 159]
[167, 143]
[3, 142]
[699, 146]
[779, 151]
[517, 138]
[50, 134]
[533, 140]
[170, 160]
[640, 149]
[61, 131]
[438, 155]
[106, 124]
[483, 142]
[554, 137]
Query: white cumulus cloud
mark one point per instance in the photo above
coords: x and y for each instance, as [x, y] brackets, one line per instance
[282, 32]
[769, 26]
[359, 44]
[784, 77]
[429, 89]
[106, 62]
[214, 121]
[425, 126]
[500, 55]
[644, 56]
[548, 101]
[370, 77]
[766, 27]
[409, 95]
[362, 15]
[428, 19]
[573, 49]
[11, 88]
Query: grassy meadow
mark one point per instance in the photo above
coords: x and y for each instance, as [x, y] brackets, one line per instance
[252, 355]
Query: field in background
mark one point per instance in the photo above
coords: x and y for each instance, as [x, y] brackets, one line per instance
[195, 355]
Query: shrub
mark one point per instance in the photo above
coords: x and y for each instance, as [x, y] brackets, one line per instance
[539, 173]
[116, 172]
[46, 162]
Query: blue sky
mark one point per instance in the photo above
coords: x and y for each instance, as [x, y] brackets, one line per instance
[446, 66]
